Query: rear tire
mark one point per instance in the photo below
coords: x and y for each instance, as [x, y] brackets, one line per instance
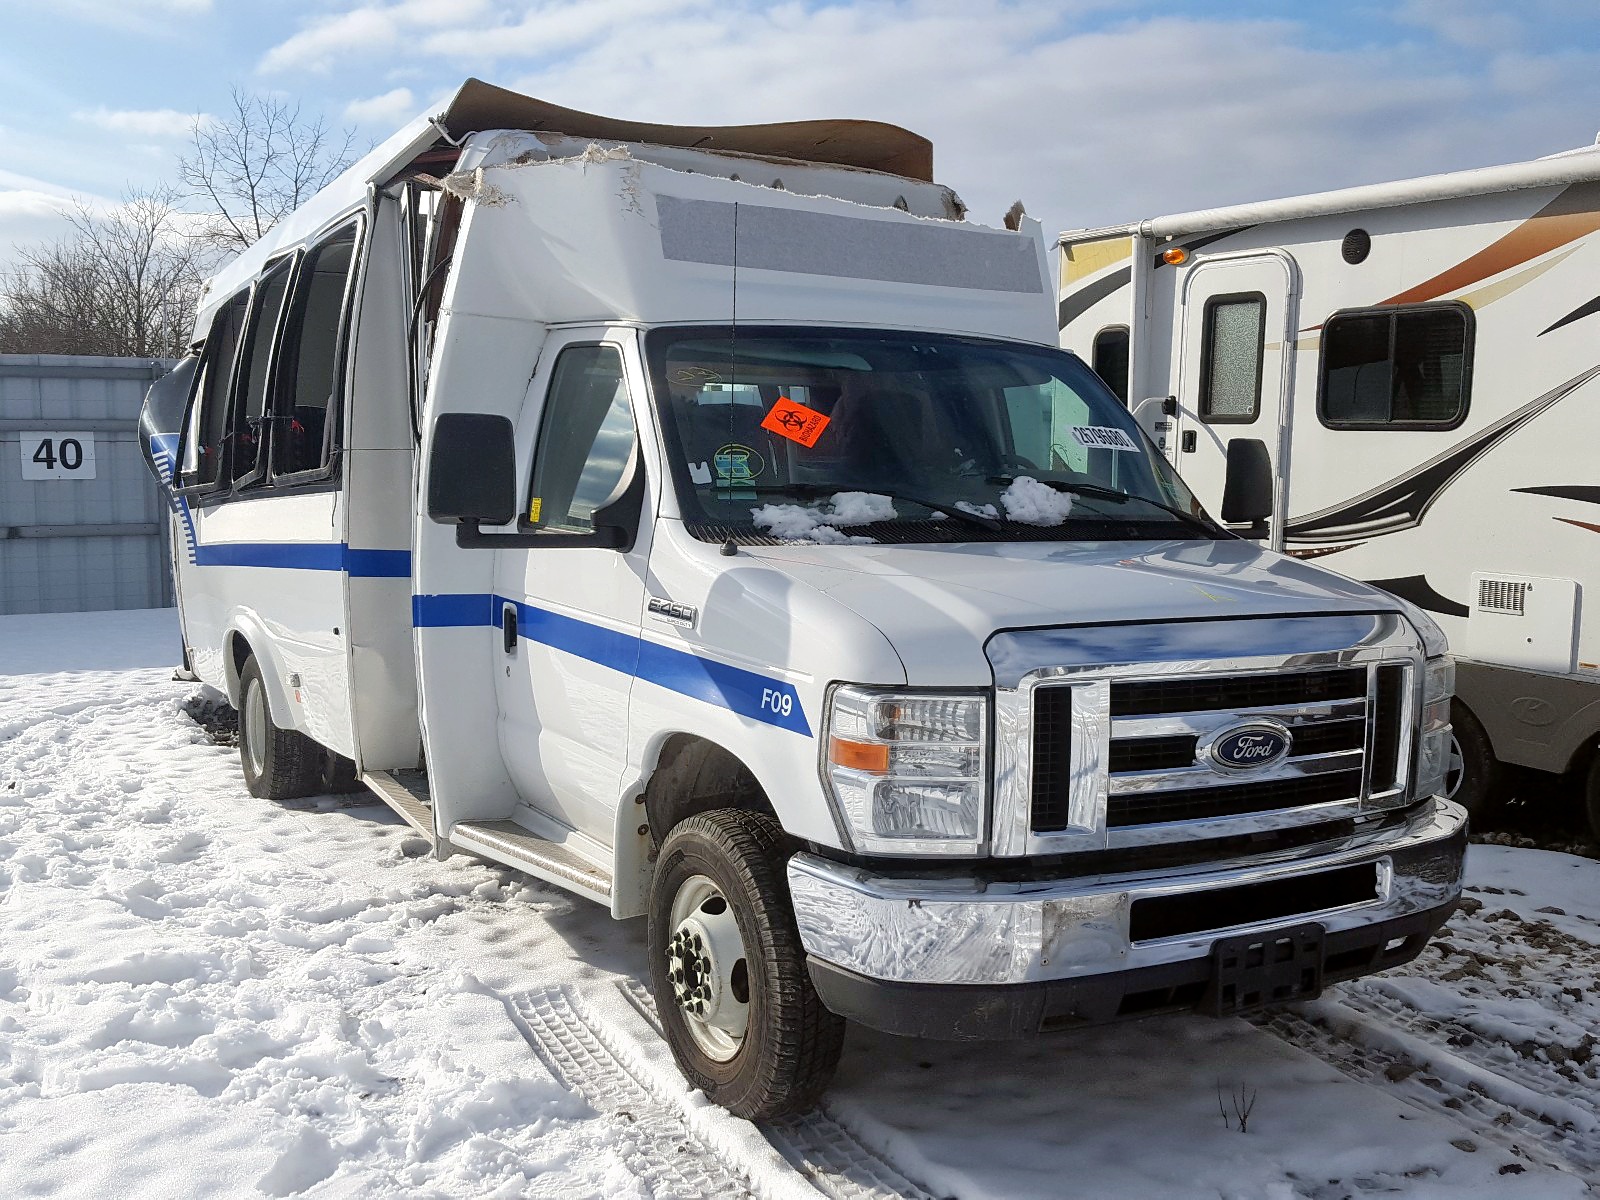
[735, 998]
[279, 764]
[1477, 780]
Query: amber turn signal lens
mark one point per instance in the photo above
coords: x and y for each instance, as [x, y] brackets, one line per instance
[859, 756]
[1175, 256]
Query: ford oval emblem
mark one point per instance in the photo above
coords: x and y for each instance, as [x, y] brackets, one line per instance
[1249, 746]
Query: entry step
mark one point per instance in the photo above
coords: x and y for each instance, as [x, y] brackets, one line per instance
[407, 793]
[509, 843]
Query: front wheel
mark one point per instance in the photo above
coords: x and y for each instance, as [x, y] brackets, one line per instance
[728, 970]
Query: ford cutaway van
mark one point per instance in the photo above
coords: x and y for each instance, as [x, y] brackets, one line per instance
[705, 521]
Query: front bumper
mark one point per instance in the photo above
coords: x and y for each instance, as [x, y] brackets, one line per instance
[942, 957]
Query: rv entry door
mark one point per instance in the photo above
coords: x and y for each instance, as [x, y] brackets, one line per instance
[1236, 350]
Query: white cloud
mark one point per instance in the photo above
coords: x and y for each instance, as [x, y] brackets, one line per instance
[391, 108]
[363, 31]
[156, 123]
[145, 16]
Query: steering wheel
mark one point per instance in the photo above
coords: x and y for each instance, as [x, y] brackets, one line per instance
[1018, 460]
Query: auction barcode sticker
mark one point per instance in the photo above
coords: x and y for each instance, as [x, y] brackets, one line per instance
[1102, 437]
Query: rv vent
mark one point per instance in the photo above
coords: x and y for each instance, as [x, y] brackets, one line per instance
[1502, 596]
[1356, 246]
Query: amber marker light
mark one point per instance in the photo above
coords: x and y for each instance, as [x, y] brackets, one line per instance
[859, 756]
[1175, 256]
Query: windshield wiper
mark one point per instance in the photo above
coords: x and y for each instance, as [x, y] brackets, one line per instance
[815, 490]
[1106, 493]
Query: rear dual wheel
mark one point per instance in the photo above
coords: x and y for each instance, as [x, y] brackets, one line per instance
[279, 764]
[728, 970]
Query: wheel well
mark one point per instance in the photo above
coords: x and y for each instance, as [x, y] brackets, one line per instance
[695, 776]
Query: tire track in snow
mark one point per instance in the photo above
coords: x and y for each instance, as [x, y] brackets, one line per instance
[661, 1148]
[1381, 1052]
[827, 1153]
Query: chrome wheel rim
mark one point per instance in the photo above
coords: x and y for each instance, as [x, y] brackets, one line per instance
[708, 969]
[255, 728]
[1455, 769]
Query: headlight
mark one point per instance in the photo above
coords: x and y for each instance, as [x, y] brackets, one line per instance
[909, 771]
[1433, 745]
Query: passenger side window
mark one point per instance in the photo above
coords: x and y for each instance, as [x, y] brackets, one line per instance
[586, 438]
[1400, 368]
[250, 405]
[1232, 340]
[1111, 359]
[205, 430]
[306, 409]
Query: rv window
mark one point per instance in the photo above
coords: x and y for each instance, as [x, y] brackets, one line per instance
[250, 400]
[586, 438]
[1232, 337]
[204, 438]
[1111, 359]
[1402, 368]
[309, 374]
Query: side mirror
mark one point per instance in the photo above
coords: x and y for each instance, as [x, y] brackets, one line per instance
[1247, 490]
[472, 471]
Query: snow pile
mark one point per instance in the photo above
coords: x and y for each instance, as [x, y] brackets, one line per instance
[1029, 502]
[822, 523]
[977, 510]
[204, 994]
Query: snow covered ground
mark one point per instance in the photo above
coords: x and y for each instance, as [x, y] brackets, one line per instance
[204, 994]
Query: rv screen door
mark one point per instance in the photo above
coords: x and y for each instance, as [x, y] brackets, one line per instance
[1236, 347]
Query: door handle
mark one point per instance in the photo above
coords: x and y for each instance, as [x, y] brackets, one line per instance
[1188, 442]
[508, 628]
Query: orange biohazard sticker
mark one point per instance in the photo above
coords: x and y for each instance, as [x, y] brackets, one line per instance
[795, 422]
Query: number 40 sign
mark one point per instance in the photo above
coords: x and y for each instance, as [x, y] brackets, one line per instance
[58, 455]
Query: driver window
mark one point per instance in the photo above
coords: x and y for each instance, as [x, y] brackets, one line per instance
[586, 439]
[205, 432]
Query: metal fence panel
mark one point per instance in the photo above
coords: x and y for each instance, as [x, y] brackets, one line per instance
[74, 544]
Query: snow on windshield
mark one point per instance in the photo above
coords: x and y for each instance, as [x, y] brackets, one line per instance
[823, 523]
[1029, 502]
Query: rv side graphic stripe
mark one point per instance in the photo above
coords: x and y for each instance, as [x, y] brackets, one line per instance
[758, 697]
[1577, 314]
[307, 556]
[1074, 306]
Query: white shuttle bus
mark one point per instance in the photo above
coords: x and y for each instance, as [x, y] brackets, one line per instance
[1420, 362]
[705, 521]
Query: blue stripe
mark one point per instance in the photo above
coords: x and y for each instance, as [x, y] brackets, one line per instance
[451, 611]
[758, 697]
[307, 556]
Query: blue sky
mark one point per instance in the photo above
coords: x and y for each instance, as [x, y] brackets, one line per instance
[1091, 111]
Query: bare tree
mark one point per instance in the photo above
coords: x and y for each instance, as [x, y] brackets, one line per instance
[258, 164]
[123, 282]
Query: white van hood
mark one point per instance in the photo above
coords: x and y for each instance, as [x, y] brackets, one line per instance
[939, 604]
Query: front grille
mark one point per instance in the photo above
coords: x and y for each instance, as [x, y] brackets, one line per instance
[1340, 721]
[1151, 697]
[1230, 799]
[1052, 758]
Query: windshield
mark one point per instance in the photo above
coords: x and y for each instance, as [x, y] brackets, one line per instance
[827, 435]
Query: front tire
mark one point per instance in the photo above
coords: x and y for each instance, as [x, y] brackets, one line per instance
[279, 764]
[1476, 779]
[728, 970]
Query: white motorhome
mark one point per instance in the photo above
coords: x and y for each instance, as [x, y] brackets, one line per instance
[705, 521]
[1421, 362]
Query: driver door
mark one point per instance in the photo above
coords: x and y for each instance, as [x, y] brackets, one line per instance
[570, 609]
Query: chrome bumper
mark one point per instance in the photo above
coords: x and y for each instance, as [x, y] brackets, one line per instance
[944, 931]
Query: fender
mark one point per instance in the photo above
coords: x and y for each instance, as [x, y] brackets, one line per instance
[280, 704]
